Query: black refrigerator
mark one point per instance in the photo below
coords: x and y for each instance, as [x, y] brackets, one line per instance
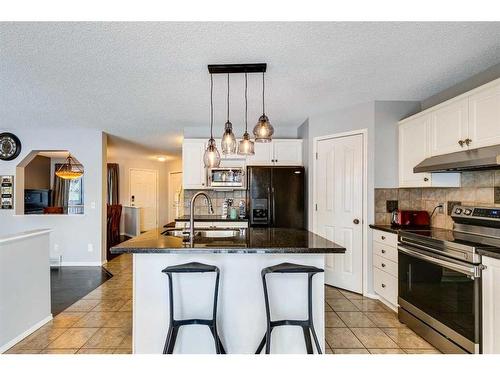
[276, 196]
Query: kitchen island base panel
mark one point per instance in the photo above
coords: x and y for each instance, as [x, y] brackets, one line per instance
[241, 310]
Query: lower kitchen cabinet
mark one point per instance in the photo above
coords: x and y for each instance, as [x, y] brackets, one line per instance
[491, 306]
[385, 267]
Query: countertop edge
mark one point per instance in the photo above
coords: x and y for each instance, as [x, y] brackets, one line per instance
[489, 253]
[385, 228]
[227, 251]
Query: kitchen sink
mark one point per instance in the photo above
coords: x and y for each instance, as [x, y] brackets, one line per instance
[207, 233]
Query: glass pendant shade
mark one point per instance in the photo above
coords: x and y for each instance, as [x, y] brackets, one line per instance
[263, 130]
[211, 158]
[228, 143]
[70, 170]
[246, 146]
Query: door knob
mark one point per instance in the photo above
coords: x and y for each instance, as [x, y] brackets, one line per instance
[356, 221]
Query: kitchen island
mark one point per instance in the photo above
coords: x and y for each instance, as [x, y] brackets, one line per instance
[240, 256]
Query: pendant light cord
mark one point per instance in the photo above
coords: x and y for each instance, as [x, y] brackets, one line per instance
[263, 93]
[246, 104]
[228, 97]
[211, 106]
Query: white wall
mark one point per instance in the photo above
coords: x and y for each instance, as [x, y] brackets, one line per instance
[380, 119]
[73, 235]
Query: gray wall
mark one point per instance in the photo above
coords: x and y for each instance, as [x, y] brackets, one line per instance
[387, 115]
[204, 131]
[37, 173]
[476, 80]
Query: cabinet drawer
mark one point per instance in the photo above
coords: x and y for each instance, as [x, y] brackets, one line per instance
[385, 285]
[385, 265]
[387, 238]
[385, 251]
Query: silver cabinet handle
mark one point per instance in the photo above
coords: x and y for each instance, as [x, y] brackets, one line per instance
[468, 141]
[426, 179]
[461, 143]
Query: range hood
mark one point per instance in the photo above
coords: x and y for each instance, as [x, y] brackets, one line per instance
[470, 160]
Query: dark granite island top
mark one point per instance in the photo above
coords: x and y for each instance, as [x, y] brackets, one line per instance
[250, 241]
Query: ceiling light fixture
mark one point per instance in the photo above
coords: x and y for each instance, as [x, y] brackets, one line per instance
[211, 157]
[246, 145]
[70, 170]
[263, 130]
[228, 143]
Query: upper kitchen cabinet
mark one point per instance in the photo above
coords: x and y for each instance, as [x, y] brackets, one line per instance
[278, 152]
[193, 169]
[288, 152]
[263, 154]
[413, 148]
[484, 116]
[449, 127]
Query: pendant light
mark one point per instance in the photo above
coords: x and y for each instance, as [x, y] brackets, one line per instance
[70, 170]
[263, 130]
[211, 158]
[228, 143]
[246, 146]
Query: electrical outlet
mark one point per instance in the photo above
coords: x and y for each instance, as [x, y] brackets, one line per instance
[450, 205]
[56, 248]
[440, 209]
[90, 248]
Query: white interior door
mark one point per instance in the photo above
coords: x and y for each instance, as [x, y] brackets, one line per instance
[338, 211]
[144, 190]
[174, 195]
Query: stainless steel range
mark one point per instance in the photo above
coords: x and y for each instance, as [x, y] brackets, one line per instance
[440, 278]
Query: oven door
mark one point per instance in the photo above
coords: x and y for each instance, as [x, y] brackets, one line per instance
[443, 293]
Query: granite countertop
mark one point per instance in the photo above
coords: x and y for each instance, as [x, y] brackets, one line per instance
[209, 218]
[250, 241]
[491, 252]
[385, 228]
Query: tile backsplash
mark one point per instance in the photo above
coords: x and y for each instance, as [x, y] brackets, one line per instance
[477, 188]
[201, 206]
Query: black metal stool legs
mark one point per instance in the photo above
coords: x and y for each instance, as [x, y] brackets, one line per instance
[307, 325]
[174, 324]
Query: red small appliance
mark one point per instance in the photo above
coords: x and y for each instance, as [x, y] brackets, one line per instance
[409, 218]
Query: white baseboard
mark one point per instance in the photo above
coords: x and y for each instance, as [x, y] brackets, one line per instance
[81, 264]
[370, 295]
[26, 333]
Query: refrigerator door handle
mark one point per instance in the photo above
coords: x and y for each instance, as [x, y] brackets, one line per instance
[273, 209]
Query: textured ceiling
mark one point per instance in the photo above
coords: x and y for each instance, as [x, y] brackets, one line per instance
[145, 82]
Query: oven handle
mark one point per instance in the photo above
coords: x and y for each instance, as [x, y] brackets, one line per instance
[473, 271]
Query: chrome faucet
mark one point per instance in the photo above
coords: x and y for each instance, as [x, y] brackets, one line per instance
[191, 214]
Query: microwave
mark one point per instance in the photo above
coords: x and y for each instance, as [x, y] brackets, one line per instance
[226, 177]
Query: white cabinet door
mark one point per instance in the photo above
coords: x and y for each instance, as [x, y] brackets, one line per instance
[194, 172]
[413, 148]
[491, 306]
[449, 125]
[287, 151]
[263, 154]
[484, 117]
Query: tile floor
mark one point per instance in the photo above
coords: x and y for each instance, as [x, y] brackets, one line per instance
[101, 323]
[359, 325]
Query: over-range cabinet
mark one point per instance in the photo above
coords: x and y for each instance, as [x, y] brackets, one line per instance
[276, 196]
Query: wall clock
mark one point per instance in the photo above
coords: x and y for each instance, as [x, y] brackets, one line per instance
[10, 146]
